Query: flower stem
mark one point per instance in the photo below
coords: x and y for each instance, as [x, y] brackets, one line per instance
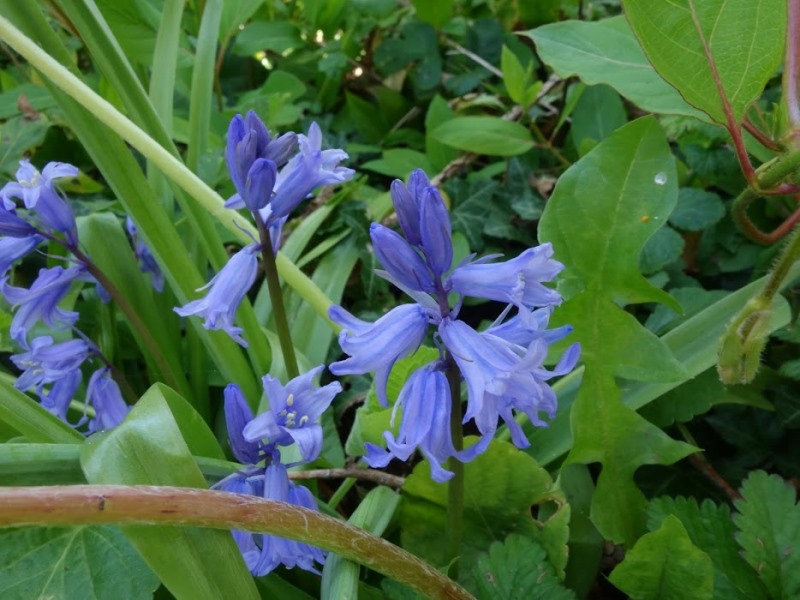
[276, 296]
[152, 505]
[455, 487]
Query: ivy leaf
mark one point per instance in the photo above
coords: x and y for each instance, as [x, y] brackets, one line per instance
[662, 249]
[696, 210]
[665, 565]
[517, 569]
[72, 562]
[686, 40]
[768, 519]
[472, 203]
[711, 529]
[607, 52]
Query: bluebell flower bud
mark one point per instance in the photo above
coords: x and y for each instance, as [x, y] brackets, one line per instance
[437, 244]
[401, 261]
[58, 399]
[237, 416]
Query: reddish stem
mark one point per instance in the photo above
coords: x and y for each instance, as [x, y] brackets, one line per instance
[762, 137]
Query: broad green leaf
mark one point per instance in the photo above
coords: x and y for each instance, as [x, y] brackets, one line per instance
[435, 13]
[340, 576]
[134, 26]
[72, 562]
[621, 192]
[598, 113]
[711, 529]
[607, 52]
[485, 135]
[147, 449]
[518, 79]
[687, 40]
[665, 565]
[768, 519]
[19, 136]
[40, 464]
[501, 486]
[696, 210]
[438, 153]
[585, 543]
[517, 569]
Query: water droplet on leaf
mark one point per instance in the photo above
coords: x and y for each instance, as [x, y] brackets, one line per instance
[660, 178]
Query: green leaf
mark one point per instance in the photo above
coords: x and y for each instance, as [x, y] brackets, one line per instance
[518, 79]
[340, 576]
[623, 190]
[598, 113]
[471, 204]
[18, 136]
[768, 519]
[699, 395]
[607, 52]
[398, 163]
[435, 13]
[72, 562]
[517, 569]
[258, 36]
[439, 154]
[31, 420]
[696, 210]
[686, 40]
[662, 249]
[40, 464]
[492, 136]
[665, 565]
[147, 449]
[711, 529]
[501, 486]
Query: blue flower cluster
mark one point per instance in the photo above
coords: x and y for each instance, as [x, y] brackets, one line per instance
[271, 177]
[502, 366]
[292, 418]
[46, 214]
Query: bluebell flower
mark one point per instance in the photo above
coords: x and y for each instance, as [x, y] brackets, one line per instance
[293, 414]
[426, 405]
[249, 482]
[103, 394]
[14, 226]
[147, 262]
[57, 400]
[47, 362]
[13, 248]
[237, 416]
[377, 346]
[40, 302]
[277, 551]
[502, 367]
[32, 186]
[227, 290]
[309, 169]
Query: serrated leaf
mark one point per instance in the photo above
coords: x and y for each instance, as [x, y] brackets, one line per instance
[72, 562]
[660, 250]
[607, 52]
[517, 569]
[768, 519]
[665, 565]
[605, 431]
[696, 210]
[501, 486]
[744, 39]
[711, 529]
[492, 136]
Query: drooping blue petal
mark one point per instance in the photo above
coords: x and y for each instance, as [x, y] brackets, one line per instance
[40, 302]
[237, 416]
[47, 362]
[400, 260]
[147, 262]
[227, 290]
[407, 210]
[375, 347]
[13, 226]
[259, 184]
[517, 281]
[12, 249]
[56, 214]
[57, 400]
[103, 394]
